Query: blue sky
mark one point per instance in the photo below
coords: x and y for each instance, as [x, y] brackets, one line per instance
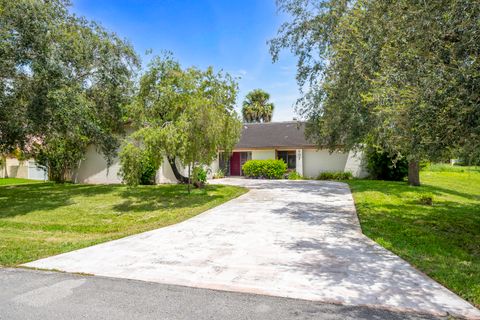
[226, 34]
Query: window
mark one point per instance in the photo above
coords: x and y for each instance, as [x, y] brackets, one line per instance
[244, 157]
[290, 158]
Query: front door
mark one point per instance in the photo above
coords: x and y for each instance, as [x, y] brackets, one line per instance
[235, 164]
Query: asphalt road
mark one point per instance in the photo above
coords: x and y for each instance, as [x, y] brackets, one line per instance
[30, 294]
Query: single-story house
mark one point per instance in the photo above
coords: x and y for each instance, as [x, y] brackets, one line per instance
[273, 140]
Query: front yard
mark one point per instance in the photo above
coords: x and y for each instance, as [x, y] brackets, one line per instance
[43, 219]
[442, 240]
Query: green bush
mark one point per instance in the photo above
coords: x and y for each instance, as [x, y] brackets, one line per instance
[383, 166]
[199, 177]
[137, 166]
[337, 175]
[149, 170]
[267, 169]
[294, 175]
[425, 199]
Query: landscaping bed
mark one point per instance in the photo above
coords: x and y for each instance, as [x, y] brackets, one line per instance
[442, 239]
[43, 219]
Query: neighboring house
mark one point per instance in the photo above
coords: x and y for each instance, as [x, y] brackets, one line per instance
[26, 169]
[273, 140]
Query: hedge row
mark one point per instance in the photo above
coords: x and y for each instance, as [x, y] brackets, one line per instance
[267, 169]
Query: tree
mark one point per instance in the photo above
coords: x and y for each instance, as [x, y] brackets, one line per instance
[65, 82]
[186, 115]
[401, 75]
[256, 107]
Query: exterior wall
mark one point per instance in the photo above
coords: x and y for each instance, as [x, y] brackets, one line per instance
[94, 169]
[263, 154]
[355, 164]
[165, 172]
[212, 168]
[316, 161]
[15, 168]
[22, 169]
[310, 163]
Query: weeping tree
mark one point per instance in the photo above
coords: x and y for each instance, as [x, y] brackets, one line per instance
[401, 75]
[256, 107]
[183, 115]
[64, 84]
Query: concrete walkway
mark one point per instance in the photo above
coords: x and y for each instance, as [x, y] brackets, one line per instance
[296, 239]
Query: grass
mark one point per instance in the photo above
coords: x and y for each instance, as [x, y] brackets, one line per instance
[12, 181]
[442, 239]
[43, 219]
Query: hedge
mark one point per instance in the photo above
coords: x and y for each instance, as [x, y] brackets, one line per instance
[335, 175]
[267, 169]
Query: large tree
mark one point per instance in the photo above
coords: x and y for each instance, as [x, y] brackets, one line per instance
[64, 84]
[185, 115]
[256, 107]
[402, 75]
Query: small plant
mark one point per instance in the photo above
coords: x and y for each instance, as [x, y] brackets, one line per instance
[425, 199]
[266, 169]
[294, 175]
[337, 175]
[219, 174]
[149, 171]
[199, 177]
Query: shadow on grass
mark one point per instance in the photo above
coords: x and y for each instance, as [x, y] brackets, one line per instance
[23, 199]
[148, 198]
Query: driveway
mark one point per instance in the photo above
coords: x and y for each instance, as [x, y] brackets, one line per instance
[30, 294]
[295, 239]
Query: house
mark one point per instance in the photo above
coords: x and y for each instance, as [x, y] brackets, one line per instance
[286, 140]
[26, 169]
[273, 140]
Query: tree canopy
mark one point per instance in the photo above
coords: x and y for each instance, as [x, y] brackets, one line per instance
[256, 107]
[186, 115]
[64, 84]
[401, 75]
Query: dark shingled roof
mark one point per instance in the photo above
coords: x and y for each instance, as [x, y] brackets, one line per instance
[273, 134]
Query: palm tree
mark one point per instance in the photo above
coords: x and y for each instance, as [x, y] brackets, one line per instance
[256, 107]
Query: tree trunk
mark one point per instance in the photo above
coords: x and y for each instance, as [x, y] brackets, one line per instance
[414, 173]
[178, 175]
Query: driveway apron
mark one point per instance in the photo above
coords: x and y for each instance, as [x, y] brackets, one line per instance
[296, 239]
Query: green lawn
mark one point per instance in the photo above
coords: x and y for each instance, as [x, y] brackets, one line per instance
[43, 219]
[11, 181]
[442, 240]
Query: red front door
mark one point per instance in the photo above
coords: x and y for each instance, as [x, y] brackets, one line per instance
[235, 164]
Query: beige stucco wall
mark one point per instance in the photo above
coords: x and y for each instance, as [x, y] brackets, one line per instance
[15, 168]
[263, 154]
[316, 161]
[93, 169]
[356, 164]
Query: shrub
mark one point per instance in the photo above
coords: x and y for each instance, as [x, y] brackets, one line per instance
[268, 169]
[219, 174]
[149, 170]
[137, 167]
[199, 177]
[294, 175]
[383, 166]
[425, 199]
[337, 175]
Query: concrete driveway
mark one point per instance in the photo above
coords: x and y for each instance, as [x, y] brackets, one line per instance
[296, 239]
